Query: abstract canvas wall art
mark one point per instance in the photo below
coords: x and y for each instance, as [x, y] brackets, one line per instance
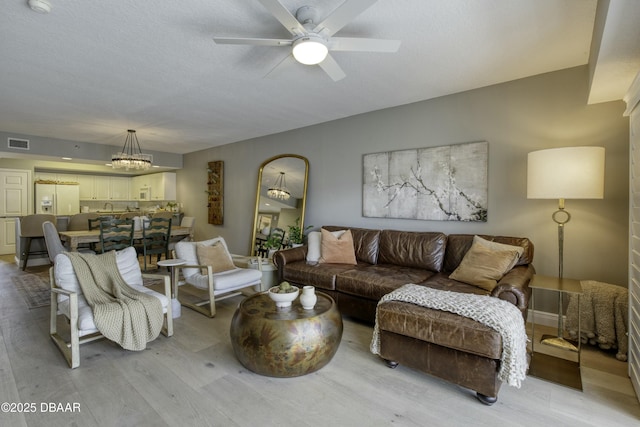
[447, 183]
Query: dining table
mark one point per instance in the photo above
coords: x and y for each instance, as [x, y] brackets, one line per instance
[74, 238]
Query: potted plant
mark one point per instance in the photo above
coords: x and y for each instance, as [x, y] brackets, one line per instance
[274, 242]
[296, 234]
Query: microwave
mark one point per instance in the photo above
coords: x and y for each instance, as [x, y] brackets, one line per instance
[145, 193]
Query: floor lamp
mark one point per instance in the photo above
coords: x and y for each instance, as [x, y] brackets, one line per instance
[564, 173]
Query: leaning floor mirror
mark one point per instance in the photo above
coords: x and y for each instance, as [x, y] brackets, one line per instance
[280, 202]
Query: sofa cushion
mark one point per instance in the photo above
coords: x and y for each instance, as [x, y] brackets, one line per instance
[216, 256]
[374, 281]
[483, 267]
[365, 242]
[412, 249]
[337, 249]
[440, 327]
[321, 276]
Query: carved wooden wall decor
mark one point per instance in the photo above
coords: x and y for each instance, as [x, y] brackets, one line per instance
[215, 192]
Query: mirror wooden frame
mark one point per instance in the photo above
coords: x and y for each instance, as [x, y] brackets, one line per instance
[258, 189]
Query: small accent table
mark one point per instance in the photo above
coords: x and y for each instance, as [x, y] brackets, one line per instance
[171, 263]
[547, 366]
[285, 342]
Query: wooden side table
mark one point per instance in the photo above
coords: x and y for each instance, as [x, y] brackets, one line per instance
[552, 367]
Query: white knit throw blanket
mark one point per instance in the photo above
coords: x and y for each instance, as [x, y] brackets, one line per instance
[122, 314]
[500, 315]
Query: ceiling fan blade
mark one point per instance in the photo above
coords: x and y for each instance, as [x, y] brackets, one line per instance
[331, 67]
[251, 41]
[363, 45]
[344, 14]
[283, 15]
[281, 64]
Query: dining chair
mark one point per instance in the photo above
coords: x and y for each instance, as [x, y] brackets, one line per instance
[156, 235]
[115, 234]
[128, 215]
[187, 221]
[31, 229]
[163, 214]
[93, 223]
[79, 222]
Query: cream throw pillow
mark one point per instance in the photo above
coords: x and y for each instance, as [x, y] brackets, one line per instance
[314, 240]
[483, 267]
[337, 249]
[216, 256]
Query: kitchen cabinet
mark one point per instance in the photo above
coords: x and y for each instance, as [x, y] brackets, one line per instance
[158, 186]
[97, 187]
[87, 187]
[119, 188]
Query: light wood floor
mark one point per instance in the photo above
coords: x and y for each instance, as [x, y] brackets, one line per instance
[194, 379]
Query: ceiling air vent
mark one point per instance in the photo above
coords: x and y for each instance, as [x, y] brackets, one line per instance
[20, 144]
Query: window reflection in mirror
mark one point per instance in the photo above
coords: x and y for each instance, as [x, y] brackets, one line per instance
[280, 200]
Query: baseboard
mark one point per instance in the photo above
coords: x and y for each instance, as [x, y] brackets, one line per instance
[543, 318]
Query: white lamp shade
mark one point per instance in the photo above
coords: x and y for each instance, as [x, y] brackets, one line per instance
[566, 173]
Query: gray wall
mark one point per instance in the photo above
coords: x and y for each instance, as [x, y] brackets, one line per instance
[535, 113]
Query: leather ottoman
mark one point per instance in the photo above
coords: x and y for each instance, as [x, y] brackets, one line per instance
[446, 345]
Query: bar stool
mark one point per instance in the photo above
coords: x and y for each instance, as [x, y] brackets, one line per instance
[30, 229]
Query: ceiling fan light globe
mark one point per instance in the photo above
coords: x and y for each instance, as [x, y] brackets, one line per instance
[40, 6]
[309, 51]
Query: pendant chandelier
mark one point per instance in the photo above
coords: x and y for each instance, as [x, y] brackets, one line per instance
[279, 189]
[131, 156]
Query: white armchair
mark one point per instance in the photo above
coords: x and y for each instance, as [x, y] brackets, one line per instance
[214, 273]
[67, 300]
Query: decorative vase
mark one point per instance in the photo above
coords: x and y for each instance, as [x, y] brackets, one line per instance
[308, 298]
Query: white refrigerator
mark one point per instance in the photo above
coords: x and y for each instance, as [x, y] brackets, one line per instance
[57, 199]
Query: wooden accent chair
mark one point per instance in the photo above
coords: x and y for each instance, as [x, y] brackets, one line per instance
[214, 273]
[67, 300]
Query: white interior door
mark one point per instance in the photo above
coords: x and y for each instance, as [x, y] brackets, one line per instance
[15, 195]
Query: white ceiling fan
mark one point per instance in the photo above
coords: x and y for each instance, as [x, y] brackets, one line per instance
[311, 40]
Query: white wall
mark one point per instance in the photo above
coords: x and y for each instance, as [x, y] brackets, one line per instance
[515, 118]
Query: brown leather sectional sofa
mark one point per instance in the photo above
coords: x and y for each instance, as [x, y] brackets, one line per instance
[446, 345]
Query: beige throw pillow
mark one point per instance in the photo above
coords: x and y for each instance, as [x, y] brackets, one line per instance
[500, 247]
[483, 267]
[216, 256]
[337, 249]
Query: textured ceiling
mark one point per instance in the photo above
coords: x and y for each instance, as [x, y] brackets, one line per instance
[91, 69]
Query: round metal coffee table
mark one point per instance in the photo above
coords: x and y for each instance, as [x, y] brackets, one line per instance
[285, 342]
